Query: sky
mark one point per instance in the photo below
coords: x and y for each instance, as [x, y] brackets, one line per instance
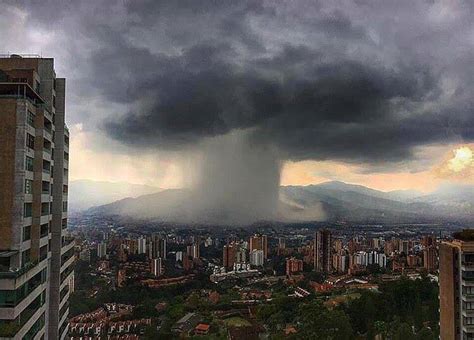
[378, 93]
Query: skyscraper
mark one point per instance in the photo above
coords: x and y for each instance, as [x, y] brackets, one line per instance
[228, 256]
[101, 250]
[456, 287]
[156, 267]
[323, 251]
[256, 258]
[157, 247]
[141, 245]
[259, 242]
[430, 258]
[36, 254]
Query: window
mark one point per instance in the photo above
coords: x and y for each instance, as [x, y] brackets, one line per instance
[44, 230]
[64, 206]
[28, 186]
[47, 125]
[26, 233]
[47, 146]
[30, 118]
[45, 187]
[54, 101]
[64, 189]
[29, 163]
[37, 86]
[44, 209]
[25, 257]
[46, 166]
[30, 141]
[66, 156]
[27, 210]
[64, 223]
[43, 252]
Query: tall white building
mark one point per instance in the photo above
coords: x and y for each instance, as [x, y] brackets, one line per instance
[142, 245]
[257, 257]
[156, 268]
[101, 250]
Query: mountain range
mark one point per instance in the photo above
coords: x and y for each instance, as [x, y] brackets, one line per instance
[84, 194]
[330, 201]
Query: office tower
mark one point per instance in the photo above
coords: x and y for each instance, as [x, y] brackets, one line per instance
[259, 242]
[256, 258]
[456, 287]
[430, 259]
[293, 266]
[323, 251]
[101, 250]
[36, 255]
[156, 268]
[158, 247]
[141, 245]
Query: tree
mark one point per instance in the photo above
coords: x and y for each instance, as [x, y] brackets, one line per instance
[404, 332]
[317, 322]
[426, 334]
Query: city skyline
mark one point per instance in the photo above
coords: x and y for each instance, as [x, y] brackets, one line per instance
[424, 75]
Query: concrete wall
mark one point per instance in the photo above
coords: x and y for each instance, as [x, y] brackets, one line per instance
[7, 169]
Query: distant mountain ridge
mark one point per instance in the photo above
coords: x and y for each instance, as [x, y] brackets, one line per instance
[84, 194]
[332, 201]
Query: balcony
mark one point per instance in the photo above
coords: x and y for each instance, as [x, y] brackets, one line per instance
[14, 278]
[47, 155]
[48, 134]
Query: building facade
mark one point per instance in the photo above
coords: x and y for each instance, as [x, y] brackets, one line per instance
[293, 266]
[36, 254]
[323, 251]
[456, 288]
[259, 242]
[257, 258]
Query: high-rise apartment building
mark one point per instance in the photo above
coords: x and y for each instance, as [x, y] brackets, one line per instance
[430, 258]
[101, 250]
[36, 254]
[157, 247]
[156, 267]
[141, 245]
[256, 258]
[259, 242]
[456, 287]
[323, 251]
[229, 254]
[293, 266]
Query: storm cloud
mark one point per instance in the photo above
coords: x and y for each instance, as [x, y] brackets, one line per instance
[354, 81]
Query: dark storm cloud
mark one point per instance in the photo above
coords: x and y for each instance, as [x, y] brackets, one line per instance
[309, 105]
[361, 81]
